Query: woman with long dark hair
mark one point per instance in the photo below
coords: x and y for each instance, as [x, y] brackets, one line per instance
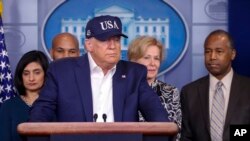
[29, 78]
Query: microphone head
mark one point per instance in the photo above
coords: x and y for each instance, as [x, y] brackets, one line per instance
[104, 116]
[95, 116]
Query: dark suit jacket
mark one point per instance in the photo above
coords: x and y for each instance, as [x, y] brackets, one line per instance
[12, 113]
[195, 108]
[67, 93]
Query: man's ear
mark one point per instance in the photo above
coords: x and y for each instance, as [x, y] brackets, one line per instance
[88, 45]
[233, 54]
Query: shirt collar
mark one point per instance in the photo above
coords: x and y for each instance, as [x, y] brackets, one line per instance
[92, 63]
[226, 80]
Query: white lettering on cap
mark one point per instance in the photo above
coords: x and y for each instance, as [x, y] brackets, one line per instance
[108, 25]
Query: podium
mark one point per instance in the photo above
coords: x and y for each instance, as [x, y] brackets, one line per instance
[93, 131]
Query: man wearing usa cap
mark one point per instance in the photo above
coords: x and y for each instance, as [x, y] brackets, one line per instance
[98, 86]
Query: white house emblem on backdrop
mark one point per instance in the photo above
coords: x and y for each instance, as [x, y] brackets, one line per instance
[168, 27]
[132, 26]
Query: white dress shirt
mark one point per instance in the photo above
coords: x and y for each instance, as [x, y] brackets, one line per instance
[102, 91]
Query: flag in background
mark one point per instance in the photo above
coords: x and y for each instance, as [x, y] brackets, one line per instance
[1, 7]
[7, 89]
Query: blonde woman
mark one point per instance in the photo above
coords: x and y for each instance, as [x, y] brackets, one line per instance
[148, 51]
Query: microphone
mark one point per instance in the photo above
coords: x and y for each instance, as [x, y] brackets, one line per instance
[95, 116]
[104, 116]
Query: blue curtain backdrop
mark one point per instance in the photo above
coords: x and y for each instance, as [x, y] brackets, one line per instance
[239, 27]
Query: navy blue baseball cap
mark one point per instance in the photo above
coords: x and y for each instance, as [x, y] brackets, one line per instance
[104, 27]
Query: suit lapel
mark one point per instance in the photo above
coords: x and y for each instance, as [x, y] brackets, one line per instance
[119, 80]
[233, 98]
[82, 74]
[204, 99]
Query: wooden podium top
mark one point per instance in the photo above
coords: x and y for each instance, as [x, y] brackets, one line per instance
[146, 128]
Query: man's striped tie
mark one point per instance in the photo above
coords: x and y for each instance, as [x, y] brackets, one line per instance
[217, 114]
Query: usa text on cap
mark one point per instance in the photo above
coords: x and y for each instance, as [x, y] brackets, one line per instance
[104, 27]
